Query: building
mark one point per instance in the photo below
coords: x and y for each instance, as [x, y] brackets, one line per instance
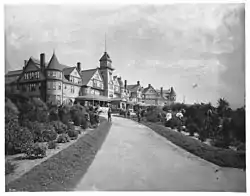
[168, 95]
[57, 83]
[135, 92]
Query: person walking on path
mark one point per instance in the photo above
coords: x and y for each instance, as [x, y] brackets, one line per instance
[139, 114]
[109, 115]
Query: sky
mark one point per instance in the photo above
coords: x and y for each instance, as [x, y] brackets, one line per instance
[198, 49]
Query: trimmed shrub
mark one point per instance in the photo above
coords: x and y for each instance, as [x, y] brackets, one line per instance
[59, 127]
[49, 135]
[36, 150]
[73, 134]
[9, 167]
[192, 128]
[53, 113]
[64, 114]
[64, 138]
[33, 110]
[52, 144]
[36, 129]
[16, 139]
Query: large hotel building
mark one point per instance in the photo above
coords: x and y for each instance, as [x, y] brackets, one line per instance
[57, 83]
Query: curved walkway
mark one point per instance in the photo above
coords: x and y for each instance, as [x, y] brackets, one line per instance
[134, 158]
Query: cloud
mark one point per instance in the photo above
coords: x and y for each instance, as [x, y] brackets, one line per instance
[174, 43]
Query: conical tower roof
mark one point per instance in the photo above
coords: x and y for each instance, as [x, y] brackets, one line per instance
[172, 92]
[105, 57]
[54, 63]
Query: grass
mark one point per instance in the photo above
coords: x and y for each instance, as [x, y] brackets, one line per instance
[218, 156]
[64, 170]
[9, 167]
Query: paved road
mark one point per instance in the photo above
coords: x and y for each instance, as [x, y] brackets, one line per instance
[134, 158]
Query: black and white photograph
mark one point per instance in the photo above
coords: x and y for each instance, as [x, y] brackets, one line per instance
[125, 96]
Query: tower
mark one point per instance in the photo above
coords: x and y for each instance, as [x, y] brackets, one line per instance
[106, 70]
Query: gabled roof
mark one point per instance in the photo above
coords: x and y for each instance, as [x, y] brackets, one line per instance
[146, 89]
[68, 70]
[133, 87]
[87, 75]
[14, 73]
[105, 57]
[54, 63]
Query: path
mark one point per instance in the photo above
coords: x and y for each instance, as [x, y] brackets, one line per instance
[134, 158]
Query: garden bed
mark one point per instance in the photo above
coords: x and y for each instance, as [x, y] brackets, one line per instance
[62, 171]
[23, 164]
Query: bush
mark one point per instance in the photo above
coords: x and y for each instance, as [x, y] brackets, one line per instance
[219, 143]
[33, 110]
[241, 147]
[49, 135]
[52, 144]
[36, 128]
[17, 139]
[59, 127]
[73, 134]
[85, 123]
[53, 113]
[36, 150]
[64, 138]
[9, 167]
[192, 128]
[174, 123]
[64, 114]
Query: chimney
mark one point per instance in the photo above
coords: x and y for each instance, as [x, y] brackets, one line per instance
[42, 61]
[149, 85]
[25, 62]
[125, 84]
[138, 82]
[161, 91]
[79, 66]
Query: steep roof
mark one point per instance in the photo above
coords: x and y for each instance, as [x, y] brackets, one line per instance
[14, 73]
[87, 75]
[105, 57]
[133, 87]
[172, 92]
[37, 62]
[68, 70]
[54, 63]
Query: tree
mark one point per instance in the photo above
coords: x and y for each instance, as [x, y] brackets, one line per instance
[223, 107]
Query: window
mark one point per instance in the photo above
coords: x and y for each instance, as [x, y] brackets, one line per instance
[72, 89]
[58, 99]
[38, 75]
[54, 85]
[59, 86]
[65, 86]
[54, 73]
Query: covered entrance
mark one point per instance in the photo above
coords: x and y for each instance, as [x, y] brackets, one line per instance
[93, 100]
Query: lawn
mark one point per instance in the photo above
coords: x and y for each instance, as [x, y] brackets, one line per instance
[63, 171]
